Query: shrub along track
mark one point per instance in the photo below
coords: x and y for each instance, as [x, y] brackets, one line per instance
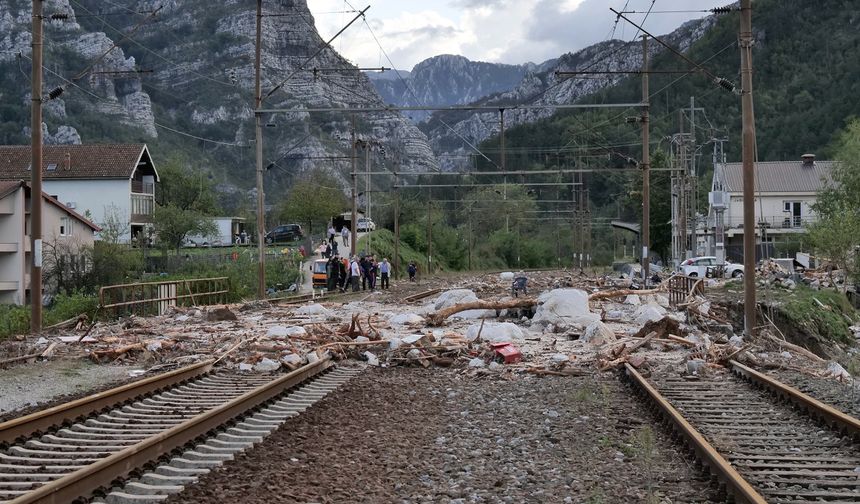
[71, 451]
[748, 432]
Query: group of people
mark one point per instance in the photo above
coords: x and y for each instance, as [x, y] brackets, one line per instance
[344, 274]
[344, 235]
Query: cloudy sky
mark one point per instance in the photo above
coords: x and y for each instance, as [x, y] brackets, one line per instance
[503, 31]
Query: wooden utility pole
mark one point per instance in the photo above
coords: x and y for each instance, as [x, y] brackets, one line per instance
[36, 173]
[646, 166]
[352, 223]
[396, 258]
[746, 40]
[367, 196]
[258, 123]
[429, 230]
[504, 163]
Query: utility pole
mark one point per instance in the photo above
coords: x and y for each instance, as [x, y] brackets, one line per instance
[396, 257]
[36, 173]
[503, 159]
[429, 230]
[352, 225]
[646, 166]
[367, 195]
[258, 122]
[746, 41]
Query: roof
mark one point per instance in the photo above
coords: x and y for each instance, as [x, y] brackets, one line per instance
[90, 161]
[8, 187]
[781, 176]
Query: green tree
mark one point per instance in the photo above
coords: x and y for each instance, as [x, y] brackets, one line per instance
[185, 201]
[836, 235]
[313, 200]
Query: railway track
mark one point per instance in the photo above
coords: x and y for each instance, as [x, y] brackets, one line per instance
[65, 463]
[763, 440]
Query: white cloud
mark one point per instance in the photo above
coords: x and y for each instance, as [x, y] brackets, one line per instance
[507, 31]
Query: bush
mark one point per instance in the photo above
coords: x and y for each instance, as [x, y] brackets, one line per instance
[14, 320]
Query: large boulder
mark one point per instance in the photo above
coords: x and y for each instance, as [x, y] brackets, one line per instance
[649, 313]
[495, 332]
[598, 333]
[564, 307]
[452, 297]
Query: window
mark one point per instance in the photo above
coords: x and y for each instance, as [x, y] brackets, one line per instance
[52, 167]
[66, 226]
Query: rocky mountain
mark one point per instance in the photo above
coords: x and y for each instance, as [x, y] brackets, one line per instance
[541, 86]
[180, 76]
[446, 80]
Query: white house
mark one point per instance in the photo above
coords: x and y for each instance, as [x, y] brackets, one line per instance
[784, 194]
[102, 181]
[61, 227]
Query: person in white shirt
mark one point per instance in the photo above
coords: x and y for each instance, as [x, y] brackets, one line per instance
[331, 232]
[355, 273]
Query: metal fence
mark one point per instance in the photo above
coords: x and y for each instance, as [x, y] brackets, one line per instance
[681, 286]
[153, 298]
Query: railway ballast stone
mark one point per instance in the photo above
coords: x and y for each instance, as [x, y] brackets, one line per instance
[564, 308]
[283, 332]
[632, 299]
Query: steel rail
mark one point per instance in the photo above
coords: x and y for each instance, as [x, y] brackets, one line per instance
[51, 417]
[815, 407]
[735, 483]
[421, 295]
[86, 480]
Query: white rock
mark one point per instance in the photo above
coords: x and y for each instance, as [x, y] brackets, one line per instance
[267, 365]
[786, 355]
[495, 332]
[406, 318]
[662, 300]
[475, 314]
[372, 360]
[564, 307]
[313, 357]
[313, 309]
[559, 358]
[614, 315]
[452, 297]
[736, 341]
[695, 366]
[412, 339]
[361, 339]
[414, 354]
[495, 366]
[632, 299]
[291, 358]
[182, 318]
[598, 333]
[281, 332]
[245, 367]
[394, 343]
[835, 370]
[42, 341]
[506, 276]
[477, 362]
[649, 313]
[153, 346]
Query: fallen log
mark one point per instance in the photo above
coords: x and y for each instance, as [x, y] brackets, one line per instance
[439, 317]
[114, 353]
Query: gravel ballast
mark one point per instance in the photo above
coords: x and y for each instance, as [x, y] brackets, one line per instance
[406, 435]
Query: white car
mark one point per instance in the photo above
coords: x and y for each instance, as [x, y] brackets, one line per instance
[364, 225]
[698, 267]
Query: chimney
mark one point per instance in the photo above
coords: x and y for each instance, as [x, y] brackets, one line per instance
[808, 160]
[67, 162]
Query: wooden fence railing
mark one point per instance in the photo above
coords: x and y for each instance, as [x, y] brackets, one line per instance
[681, 286]
[153, 298]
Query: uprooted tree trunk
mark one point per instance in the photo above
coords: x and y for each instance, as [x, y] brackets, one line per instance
[438, 317]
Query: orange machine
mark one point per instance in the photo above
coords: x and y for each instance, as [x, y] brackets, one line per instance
[319, 273]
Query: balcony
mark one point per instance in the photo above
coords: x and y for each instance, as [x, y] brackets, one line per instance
[141, 187]
[8, 247]
[8, 285]
[142, 207]
[774, 223]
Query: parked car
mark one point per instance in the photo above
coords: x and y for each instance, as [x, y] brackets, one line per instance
[284, 233]
[698, 267]
[364, 225]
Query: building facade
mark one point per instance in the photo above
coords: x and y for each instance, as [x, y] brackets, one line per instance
[112, 184]
[64, 232]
